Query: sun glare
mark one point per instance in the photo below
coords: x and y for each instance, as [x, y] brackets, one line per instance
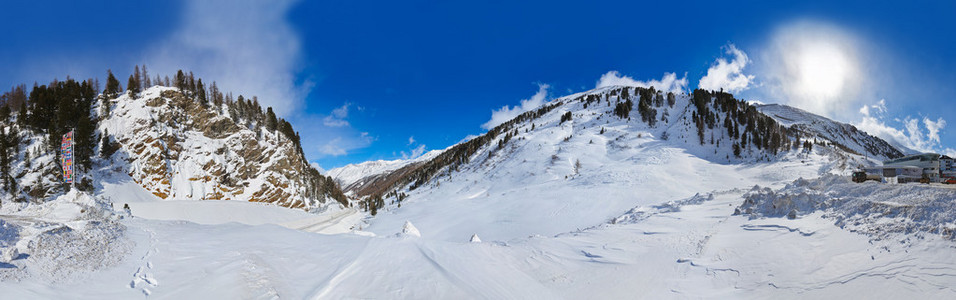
[822, 69]
[816, 67]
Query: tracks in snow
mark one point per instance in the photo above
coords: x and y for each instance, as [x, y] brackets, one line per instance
[143, 277]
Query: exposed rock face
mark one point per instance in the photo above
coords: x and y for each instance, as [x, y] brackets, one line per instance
[177, 148]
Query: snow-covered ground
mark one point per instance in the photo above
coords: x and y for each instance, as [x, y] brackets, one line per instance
[688, 248]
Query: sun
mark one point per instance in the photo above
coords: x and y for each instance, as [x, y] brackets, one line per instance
[821, 69]
[815, 67]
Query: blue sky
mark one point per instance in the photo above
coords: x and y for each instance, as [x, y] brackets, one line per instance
[389, 79]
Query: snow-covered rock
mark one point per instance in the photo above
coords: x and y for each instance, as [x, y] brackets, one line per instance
[475, 239]
[410, 230]
[176, 148]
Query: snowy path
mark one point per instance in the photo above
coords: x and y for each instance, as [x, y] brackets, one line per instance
[221, 212]
[337, 222]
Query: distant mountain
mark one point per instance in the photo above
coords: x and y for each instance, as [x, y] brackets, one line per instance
[352, 175]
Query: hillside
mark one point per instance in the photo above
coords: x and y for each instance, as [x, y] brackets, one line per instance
[845, 136]
[178, 149]
[593, 139]
[173, 142]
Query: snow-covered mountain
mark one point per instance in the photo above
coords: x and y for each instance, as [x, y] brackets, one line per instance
[177, 148]
[845, 136]
[587, 134]
[353, 176]
[162, 140]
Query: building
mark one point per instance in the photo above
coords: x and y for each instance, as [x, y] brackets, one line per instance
[931, 163]
[947, 167]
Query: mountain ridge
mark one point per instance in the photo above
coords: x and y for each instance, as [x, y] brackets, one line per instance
[697, 118]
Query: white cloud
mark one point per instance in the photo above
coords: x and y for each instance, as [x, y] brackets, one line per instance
[337, 118]
[728, 75]
[669, 83]
[415, 152]
[248, 47]
[913, 136]
[333, 148]
[932, 129]
[505, 113]
[339, 146]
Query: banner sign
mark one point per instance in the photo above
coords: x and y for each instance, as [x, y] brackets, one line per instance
[66, 157]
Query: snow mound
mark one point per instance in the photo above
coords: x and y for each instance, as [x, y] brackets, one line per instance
[475, 238]
[9, 233]
[871, 208]
[640, 213]
[9, 236]
[60, 240]
[410, 229]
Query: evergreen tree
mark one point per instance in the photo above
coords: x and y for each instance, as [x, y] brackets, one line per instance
[112, 85]
[5, 113]
[201, 93]
[22, 114]
[138, 79]
[216, 95]
[105, 106]
[180, 80]
[146, 81]
[107, 146]
[4, 160]
[132, 86]
[271, 122]
[84, 141]
[191, 83]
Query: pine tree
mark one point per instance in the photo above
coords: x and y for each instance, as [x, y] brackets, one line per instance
[271, 121]
[146, 81]
[180, 80]
[5, 113]
[201, 93]
[132, 86]
[84, 141]
[191, 83]
[112, 85]
[22, 114]
[138, 79]
[4, 160]
[107, 147]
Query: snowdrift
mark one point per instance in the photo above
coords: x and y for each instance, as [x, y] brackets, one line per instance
[871, 208]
